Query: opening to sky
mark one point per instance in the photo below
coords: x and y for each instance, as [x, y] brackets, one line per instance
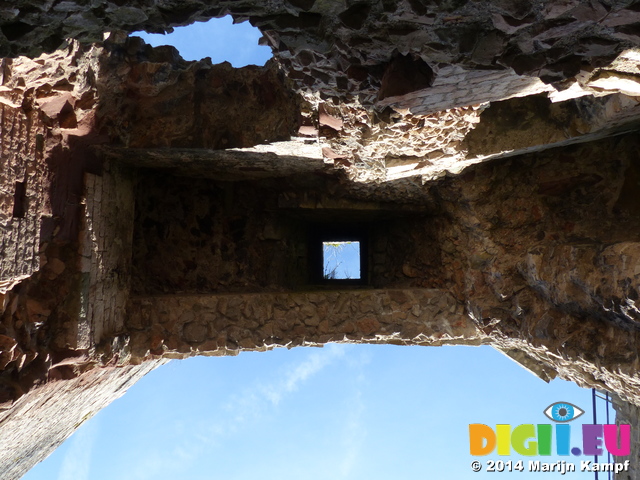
[358, 412]
[219, 38]
[341, 260]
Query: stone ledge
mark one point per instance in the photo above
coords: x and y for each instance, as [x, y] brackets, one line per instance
[264, 161]
[179, 326]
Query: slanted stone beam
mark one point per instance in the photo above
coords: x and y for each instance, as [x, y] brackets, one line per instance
[459, 87]
[279, 159]
[525, 125]
[39, 422]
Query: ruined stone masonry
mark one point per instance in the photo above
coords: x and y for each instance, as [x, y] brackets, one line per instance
[484, 154]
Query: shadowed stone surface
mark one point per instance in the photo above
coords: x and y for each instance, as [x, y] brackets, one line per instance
[485, 152]
[341, 49]
[55, 411]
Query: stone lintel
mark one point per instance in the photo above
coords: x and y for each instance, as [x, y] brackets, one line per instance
[179, 326]
[233, 164]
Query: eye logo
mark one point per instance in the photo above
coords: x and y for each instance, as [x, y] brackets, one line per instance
[563, 412]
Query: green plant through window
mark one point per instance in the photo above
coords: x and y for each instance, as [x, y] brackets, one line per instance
[341, 260]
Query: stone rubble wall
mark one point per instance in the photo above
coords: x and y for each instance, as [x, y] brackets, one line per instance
[68, 259]
[543, 251]
[373, 147]
[343, 49]
[48, 103]
[200, 235]
[22, 190]
[179, 326]
[157, 99]
[629, 414]
[106, 252]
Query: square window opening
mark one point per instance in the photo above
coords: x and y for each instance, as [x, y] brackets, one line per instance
[341, 260]
[20, 200]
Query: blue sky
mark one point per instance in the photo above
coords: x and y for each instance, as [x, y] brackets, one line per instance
[341, 259]
[218, 39]
[343, 411]
[353, 412]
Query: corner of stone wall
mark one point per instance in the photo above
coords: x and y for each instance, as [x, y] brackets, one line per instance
[105, 256]
[630, 414]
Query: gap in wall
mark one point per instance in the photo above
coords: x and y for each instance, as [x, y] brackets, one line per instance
[219, 38]
[341, 260]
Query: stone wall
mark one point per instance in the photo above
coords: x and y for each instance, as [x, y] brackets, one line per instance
[47, 112]
[39, 423]
[179, 326]
[22, 188]
[66, 218]
[542, 236]
[535, 254]
[156, 99]
[339, 48]
[195, 235]
[205, 236]
[105, 257]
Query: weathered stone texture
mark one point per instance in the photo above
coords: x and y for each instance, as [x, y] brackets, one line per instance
[156, 99]
[105, 262]
[400, 142]
[405, 102]
[540, 243]
[179, 326]
[535, 123]
[22, 191]
[48, 112]
[341, 48]
[380, 147]
[38, 423]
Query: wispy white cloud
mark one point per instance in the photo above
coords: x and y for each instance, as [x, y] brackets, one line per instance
[354, 432]
[240, 411]
[298, 374]
[77, 462]
[256, 399]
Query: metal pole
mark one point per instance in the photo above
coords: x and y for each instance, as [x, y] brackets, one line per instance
[593, 401]
[608, 454]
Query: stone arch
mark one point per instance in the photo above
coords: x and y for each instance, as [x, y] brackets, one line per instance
[522, 235]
